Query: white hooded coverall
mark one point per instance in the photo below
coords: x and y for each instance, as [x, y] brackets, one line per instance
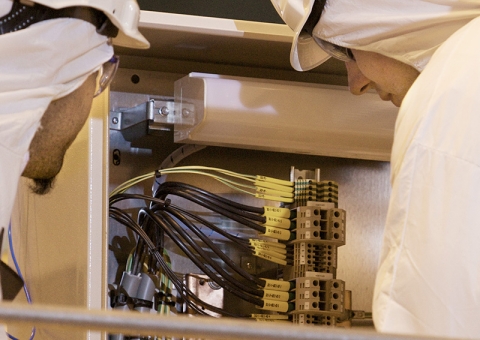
[38, 65]
[428, 282]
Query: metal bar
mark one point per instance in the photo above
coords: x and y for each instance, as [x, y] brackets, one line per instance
[198, 327]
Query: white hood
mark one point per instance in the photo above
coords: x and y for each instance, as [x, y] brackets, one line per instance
[407, 30]
[40, 64]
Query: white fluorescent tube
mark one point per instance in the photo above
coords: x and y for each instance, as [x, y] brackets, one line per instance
[282, 116]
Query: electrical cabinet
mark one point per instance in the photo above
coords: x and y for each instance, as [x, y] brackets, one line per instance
[74, 255]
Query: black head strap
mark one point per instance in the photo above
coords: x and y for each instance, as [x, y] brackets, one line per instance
[314, 17]
[21, 16]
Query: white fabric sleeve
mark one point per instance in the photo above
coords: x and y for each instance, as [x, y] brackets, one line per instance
[428, 280]
[428, 283]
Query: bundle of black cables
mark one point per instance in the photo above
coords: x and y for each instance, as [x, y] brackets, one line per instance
[162, 218]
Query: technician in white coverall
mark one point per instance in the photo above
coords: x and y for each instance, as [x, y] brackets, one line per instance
[49, 62]
[423, 55]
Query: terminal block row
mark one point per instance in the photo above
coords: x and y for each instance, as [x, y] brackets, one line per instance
[324, 226]
[310, 257]
[319, 232]
[320, 301]
[309, 190]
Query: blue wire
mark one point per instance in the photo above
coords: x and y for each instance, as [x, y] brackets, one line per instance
[19, 273]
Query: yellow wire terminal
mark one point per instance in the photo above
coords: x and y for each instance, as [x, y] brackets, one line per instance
[274, 192]
[276, 306]
[278, 222]
[279, 285]
[274, 180]
[270, 258]
[271, 253]
[276, 211]
[255, 241]
[275, 198]
[268, 247]
[274, 186]
[276, 295]
[280, 234]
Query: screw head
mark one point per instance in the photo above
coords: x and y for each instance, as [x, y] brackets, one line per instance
[186, 112]
[164, 111]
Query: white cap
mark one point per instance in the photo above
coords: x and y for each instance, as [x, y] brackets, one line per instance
[124, 14]
[305, 53]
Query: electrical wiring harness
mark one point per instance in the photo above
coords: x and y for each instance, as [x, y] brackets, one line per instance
[299, 238]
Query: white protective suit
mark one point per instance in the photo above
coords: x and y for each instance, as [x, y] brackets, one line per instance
[428, 281]
[38, 65]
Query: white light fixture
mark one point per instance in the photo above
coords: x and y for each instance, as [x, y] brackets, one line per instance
[282, 116]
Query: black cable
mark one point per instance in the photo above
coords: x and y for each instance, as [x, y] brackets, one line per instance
[125, 219]
[215, 249]
[154, 235]
[237, 240]
[227, 207]
[161, 204]
[166, 221]
[232, 206]
[123, 196]
[223, 206]
[233, 216]
[181, 288]
[237, 205]
[205, 257]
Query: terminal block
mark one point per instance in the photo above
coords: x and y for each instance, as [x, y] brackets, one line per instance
[319, 231]
[327, 191]
[305, 191]
[314, 224]
[320, 301]
[309, 190]
[310, 257]
[305, 185]
[314, 319]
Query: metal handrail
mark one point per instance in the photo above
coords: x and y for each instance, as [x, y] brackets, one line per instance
[176, 326]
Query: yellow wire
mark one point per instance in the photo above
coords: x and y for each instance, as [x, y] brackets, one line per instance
[196, 170]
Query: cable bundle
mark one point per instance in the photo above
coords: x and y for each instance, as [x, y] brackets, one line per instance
[255, 185]
[150, 250]
[184, 228]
